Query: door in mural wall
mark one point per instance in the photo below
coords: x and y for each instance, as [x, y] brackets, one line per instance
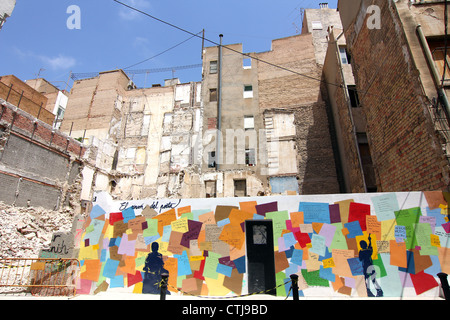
[260, 256]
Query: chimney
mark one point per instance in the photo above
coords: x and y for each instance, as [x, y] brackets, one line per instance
[323, 5]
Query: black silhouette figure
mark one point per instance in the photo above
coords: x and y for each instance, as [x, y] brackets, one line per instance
[153, 269]
[365, 256]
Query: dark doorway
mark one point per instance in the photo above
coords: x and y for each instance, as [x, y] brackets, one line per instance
[240, 188]
[260, 256]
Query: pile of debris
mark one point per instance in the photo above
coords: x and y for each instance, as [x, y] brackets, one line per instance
[25, 231]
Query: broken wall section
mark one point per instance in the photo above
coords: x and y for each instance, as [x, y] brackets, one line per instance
[149, 146]
[182, 127]
[39, 166]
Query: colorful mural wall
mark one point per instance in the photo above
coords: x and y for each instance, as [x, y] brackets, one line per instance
[387, 244]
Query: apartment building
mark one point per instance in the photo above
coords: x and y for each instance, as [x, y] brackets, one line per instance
[270, 118]
[6, 9]
[56, 98]
[25, 97]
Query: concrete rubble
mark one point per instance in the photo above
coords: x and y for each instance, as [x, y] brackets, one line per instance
[25, 231]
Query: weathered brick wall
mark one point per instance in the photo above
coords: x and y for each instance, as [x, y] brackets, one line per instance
[405, 149]
[37, 164]
[301, 93]
[316, 164]
[30, 101]
[92, 102]
[283, 89]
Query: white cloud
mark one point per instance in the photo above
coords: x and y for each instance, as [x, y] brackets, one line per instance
[140, 42]
[59, 62]
[129, 14]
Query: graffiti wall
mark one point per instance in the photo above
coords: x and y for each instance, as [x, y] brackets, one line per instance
[359, 245]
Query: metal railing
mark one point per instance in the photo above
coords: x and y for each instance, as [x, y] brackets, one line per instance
[40, 277]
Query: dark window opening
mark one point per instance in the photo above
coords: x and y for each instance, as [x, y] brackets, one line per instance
[353, 94]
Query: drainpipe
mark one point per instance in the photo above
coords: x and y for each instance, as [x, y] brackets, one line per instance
[355, 138]
[219, 105]
[442, 95]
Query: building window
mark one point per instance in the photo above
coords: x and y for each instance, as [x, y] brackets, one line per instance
[212, 95]
[317, 25]
[60, 113]
[345, 56]
[247, 63]
[250, 159]
[249, 123]
[212, 159]
[210, 188]
[240, 188]
[441, 61]
[213, 67]
[353, 95]
[248, 91]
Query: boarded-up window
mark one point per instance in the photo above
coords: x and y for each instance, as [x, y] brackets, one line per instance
[213, 67]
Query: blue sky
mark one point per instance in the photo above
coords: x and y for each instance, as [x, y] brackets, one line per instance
[36, 40]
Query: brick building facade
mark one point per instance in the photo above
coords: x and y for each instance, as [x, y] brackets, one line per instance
[396, 91]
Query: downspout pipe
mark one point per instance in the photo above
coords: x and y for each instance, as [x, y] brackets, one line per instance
[437, 79]
[218, 158]
[350, 113]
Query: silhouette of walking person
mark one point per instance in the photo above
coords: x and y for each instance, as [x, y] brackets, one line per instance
[153, 268]
[365, 256]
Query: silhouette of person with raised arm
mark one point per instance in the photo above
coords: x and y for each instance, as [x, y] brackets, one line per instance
[153, 268]
[365, 256]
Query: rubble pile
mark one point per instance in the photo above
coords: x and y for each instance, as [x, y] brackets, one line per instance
[25, 231]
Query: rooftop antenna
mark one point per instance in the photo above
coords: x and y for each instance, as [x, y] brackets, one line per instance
[39, 73]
